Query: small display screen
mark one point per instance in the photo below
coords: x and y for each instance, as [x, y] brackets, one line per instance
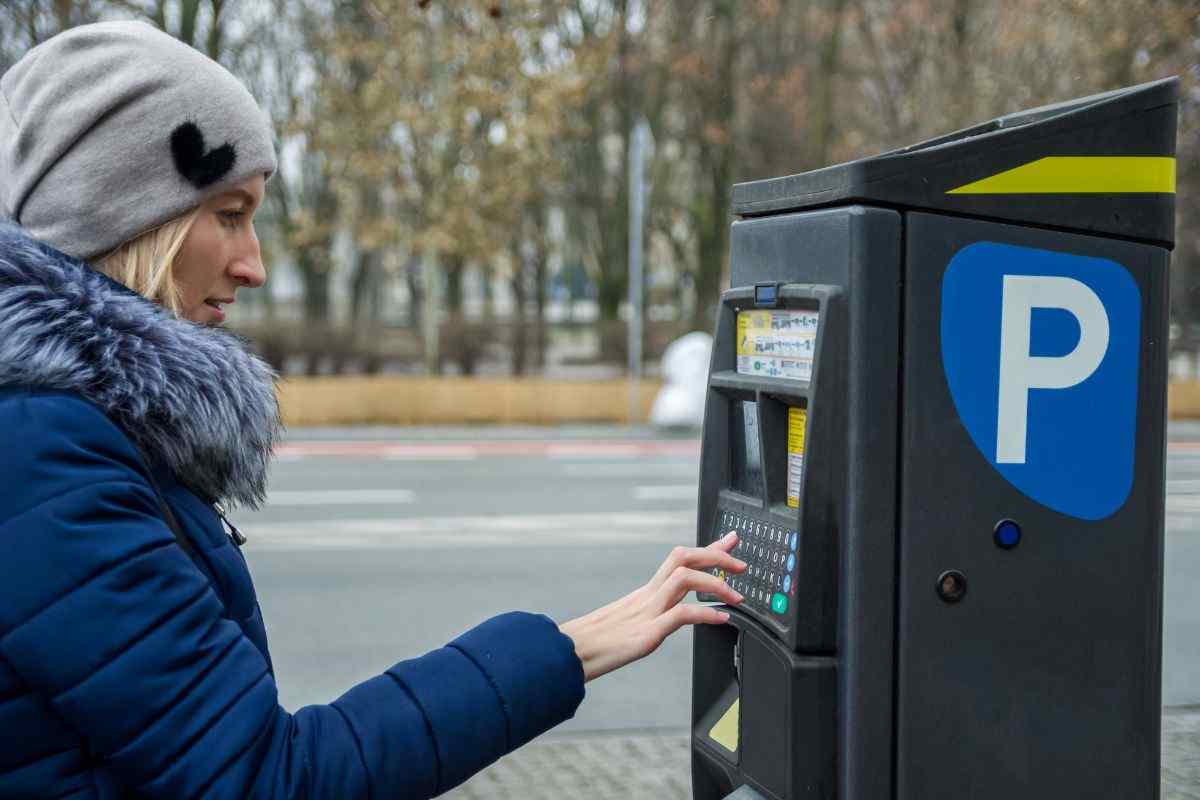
[746, 472]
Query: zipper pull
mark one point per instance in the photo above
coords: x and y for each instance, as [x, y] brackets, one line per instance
[238, 538]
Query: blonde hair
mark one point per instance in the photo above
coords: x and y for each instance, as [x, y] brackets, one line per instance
[146, 263]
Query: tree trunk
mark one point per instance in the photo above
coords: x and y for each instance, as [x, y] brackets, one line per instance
[520, 345]
[963, 113]
[461, 339]
[416, 293]
[825, 90]
[315, 278]
[216, 32]
[364, 306]
[539, 294]
[188, 11]
[716, 162]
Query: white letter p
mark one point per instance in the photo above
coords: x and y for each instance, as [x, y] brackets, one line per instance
[1020, 372]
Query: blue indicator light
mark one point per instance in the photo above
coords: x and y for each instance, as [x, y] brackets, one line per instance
[1007, 534]
[791, 562]
[787, 583]
[794, 539]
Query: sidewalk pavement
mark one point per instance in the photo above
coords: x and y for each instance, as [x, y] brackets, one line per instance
[1181, 754]
[656, 765]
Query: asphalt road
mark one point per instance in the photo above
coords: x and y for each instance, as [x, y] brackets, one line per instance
[1181, 584]
[379, 545]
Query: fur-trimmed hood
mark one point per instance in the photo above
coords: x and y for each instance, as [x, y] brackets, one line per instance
[192, 397]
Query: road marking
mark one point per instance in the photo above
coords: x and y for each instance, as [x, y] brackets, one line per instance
[1184, 504]
[686, 491]
[505, 530]
[430, 453]
[593, 450]
[640, 469]
[340, 497]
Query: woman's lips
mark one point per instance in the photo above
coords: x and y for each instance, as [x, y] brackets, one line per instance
[215, 307]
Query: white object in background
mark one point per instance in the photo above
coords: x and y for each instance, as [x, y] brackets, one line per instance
[680, 402]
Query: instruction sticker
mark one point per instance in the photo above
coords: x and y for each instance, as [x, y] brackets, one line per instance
[776, 343]
[797, 419]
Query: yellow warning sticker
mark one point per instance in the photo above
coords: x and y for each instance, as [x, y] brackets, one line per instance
[725, 732]
[797, 421]
[777, 343]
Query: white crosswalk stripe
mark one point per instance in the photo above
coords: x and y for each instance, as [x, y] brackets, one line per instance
[685, 491]
[506, 530]
[340, 497]
[1183, 504]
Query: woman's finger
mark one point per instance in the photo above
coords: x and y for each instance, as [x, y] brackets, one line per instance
[688, 614]
[684, 580]
[726, 542]
[714, 555]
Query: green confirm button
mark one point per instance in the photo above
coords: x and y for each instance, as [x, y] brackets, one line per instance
[779, 603]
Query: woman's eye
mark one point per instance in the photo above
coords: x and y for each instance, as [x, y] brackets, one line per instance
[232, 218]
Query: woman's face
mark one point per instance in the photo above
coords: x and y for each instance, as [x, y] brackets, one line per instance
[220, 254]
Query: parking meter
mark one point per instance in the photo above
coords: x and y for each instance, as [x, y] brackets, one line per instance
[936, 418]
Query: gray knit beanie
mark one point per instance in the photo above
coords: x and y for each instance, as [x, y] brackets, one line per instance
[109, 130]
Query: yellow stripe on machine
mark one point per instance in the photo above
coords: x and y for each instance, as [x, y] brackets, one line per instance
[1081, 175]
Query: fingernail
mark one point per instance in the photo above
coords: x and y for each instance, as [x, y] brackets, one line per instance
[740, 597]
[730, 535]
[739, 562]
[724, 616]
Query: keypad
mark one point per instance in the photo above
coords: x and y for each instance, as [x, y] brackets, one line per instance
[769, 550]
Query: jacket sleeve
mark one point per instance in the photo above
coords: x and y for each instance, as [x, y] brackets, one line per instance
[109, 620]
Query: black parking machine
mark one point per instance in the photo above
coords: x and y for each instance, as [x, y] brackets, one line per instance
[936, 419]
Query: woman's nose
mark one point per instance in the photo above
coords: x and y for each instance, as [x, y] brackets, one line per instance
[248, 268]
[250, 272]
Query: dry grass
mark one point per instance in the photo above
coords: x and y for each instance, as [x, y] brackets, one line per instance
[444, 401]
[1183, 400]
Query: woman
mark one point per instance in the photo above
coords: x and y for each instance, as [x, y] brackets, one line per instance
[133, 657]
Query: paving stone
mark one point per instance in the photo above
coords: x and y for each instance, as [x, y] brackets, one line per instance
[657, 766]
[1181, 755]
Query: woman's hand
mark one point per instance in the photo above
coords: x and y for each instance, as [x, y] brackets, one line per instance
[634, 626]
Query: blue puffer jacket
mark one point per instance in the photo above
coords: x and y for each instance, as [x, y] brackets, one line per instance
[128, 669]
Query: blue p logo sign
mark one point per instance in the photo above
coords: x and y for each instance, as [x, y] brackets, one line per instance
[1040, 350]
[1020, 371]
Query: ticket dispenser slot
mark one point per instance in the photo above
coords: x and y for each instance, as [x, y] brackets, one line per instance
[787, 750]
